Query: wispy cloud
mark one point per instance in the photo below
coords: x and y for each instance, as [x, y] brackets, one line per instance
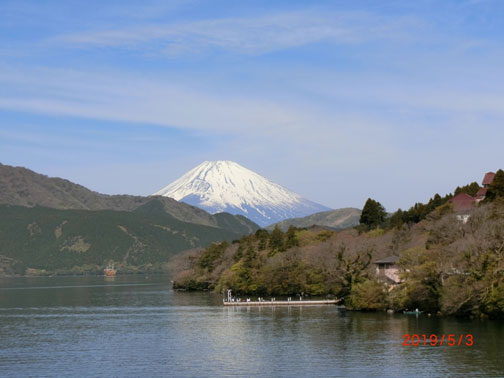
[380, 96]
[131, 99]
[128, 98]
[249, 35]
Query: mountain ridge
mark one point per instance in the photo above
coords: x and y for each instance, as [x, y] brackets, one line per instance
[20, 186]
[333, 219]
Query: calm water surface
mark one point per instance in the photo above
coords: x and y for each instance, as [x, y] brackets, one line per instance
[139, 327]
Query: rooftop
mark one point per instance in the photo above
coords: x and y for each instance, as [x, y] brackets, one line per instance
[487, 180]
[462, 202]
[388, 260]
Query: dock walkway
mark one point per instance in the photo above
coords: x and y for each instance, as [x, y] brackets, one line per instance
[283, 303]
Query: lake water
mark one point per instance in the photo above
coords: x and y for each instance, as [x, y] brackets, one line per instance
[137, 326]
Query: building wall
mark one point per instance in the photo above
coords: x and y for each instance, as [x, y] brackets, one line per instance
[390, 271]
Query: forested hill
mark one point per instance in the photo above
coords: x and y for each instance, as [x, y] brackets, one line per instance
[82, 241]
[447, 266]
[51, 225]
[23, 187]
[333, 219]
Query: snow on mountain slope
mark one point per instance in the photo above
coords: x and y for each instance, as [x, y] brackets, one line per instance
[218, 186]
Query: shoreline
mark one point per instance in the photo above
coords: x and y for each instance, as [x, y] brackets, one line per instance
[82, 275]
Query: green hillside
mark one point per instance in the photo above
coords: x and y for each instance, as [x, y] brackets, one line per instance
[55, 225]
[333, 219]
[52, 239]
[23, 187]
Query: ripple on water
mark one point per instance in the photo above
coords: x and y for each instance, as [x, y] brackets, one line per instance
[135, 330]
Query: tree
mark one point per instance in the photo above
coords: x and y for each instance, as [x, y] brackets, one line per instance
[422, 279]
[239, 252]
[496, 188]
[250, 255]
[276, 240]
[292, 239]
[397, 219]
[373, 214]
[262, 236]
[210, 256]
[368, 295]
[350, 269]
[470, 189]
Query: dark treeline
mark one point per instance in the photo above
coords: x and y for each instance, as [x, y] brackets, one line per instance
[374, 215]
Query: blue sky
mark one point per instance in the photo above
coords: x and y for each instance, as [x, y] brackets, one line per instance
[336, 100]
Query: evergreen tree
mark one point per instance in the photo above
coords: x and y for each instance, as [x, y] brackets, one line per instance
[239, 252]
[470, 189]
[496, 188]
[250, 256]
[397, 219]
[276, 240]
[438, 201]
[292, 239]
[262, 237]
[373, 214]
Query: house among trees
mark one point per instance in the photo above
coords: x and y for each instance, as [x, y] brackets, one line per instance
[463, 202]
[387, 269]
[487, 180]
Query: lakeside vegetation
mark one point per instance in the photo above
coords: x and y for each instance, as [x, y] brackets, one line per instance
[447, 266]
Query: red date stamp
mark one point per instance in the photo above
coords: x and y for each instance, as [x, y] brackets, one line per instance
[435, 340]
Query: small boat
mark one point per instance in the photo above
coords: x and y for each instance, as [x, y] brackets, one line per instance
[110, 271]
[416, 312]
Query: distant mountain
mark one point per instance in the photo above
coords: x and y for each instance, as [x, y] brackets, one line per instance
[53, 225]
[225, 186]
[23, 187]
[333, 219]
[80, 241]
[236, 224]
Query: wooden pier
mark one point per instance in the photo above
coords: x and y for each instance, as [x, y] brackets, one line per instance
[230, 301]
[283, 303]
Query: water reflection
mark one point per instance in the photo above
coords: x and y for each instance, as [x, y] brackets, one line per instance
[133, 326]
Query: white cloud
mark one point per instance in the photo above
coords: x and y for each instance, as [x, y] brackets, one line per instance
[353, 142]
[248, 35]
[127, 98]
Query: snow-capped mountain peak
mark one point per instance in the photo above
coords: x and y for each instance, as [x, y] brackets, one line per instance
[218, 186]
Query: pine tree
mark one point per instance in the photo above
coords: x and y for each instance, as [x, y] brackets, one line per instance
[276, 240]
[397, 219]
[292, 239]
[373, 214]
[250, 255]
[262, 236]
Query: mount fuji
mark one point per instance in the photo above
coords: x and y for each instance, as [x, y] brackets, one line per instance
[225, 186]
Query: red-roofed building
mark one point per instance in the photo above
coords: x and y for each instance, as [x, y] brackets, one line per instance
[462, 202]
[487, 180]
[480, 195]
